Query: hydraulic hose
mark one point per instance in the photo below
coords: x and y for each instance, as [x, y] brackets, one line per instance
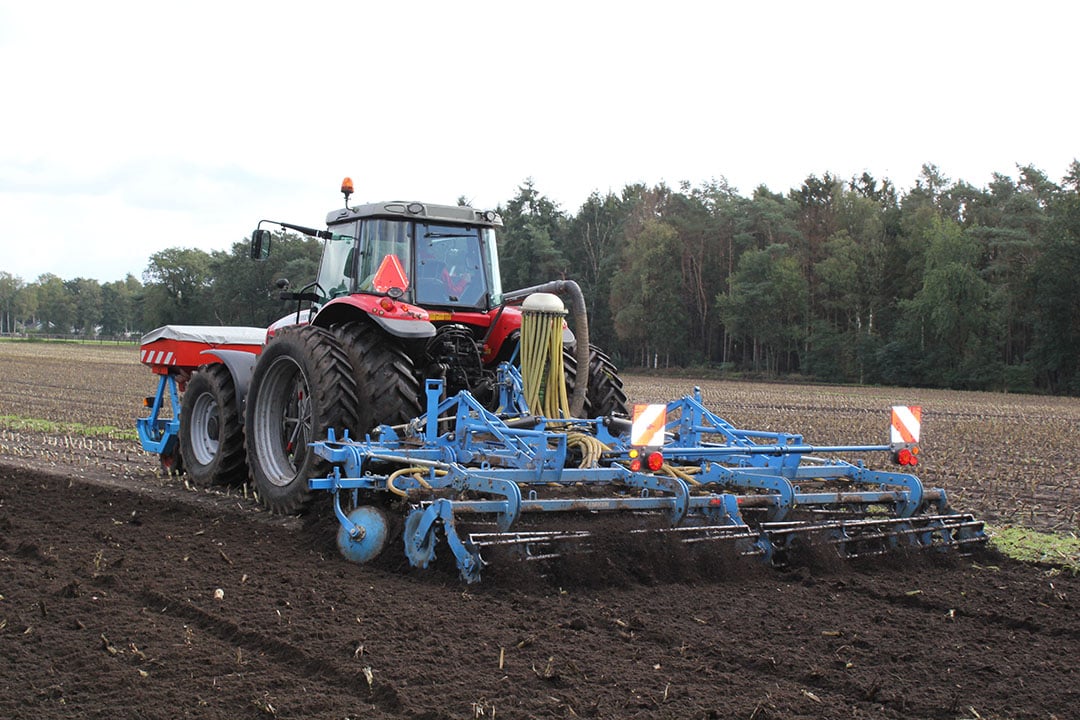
[417, 474]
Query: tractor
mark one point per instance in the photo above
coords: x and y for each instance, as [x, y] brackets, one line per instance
[406, 292]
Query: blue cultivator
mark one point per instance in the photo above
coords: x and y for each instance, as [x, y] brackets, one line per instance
[485, 480]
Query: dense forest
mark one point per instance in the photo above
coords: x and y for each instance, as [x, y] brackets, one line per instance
[838, 280]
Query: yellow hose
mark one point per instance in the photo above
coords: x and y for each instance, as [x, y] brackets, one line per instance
[682, 473]
[542, 373]
[591, 448]
[418, 475]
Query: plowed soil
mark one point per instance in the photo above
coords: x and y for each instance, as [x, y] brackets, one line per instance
[110, 608]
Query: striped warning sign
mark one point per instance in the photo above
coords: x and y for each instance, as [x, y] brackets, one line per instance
[906, 423]
[647, 428]
[159, 357]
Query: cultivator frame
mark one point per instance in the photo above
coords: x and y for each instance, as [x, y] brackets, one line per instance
[708, 481]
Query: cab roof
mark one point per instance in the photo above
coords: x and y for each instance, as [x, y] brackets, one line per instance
[413, 210]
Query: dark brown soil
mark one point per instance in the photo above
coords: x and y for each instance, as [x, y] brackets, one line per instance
[108, 610]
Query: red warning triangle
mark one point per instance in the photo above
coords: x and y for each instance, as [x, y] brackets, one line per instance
[390, 274]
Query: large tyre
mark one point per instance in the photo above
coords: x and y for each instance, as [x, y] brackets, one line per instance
[211, 430]
[605, 395]
[388, 390]
[302, 387]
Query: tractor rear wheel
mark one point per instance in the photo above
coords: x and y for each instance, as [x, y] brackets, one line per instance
[605, 395]
[302, 387]
[211, 431]
[387, 387]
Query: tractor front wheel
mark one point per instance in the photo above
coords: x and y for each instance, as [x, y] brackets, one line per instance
[211, 432]
[302, 387]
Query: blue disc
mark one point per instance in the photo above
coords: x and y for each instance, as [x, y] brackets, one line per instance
[368, 544]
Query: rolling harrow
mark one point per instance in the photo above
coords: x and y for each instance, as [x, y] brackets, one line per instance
[482, 480]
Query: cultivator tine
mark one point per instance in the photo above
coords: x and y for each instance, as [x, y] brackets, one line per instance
[921, 532]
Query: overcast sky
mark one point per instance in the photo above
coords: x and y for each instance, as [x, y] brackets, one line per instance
[127, 128]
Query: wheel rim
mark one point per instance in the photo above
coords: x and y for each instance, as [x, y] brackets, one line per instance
[284, 424]
[205, 429]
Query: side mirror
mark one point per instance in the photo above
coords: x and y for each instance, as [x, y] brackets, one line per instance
[260, 244]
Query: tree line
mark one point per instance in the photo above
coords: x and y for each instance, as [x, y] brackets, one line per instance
[852, 281]
[183, 286]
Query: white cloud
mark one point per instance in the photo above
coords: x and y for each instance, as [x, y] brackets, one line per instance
[130, 127]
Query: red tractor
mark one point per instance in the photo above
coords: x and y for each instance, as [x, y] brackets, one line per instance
[406, 291]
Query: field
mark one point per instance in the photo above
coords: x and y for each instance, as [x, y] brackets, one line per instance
[109, 572]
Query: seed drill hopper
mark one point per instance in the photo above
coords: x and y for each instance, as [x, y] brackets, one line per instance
[532, 481]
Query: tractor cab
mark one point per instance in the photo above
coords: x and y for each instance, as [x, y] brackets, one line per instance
[425, 277]
[432, 256]
[421, 261]
[417, 253]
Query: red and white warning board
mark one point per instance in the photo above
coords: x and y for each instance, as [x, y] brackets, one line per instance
[906, 423]
[647, 427]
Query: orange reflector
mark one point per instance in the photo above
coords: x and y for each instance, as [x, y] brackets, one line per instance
[147, 402]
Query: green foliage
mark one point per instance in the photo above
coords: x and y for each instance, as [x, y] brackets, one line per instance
[56, 307]
[949, 318]
[15, 422]
[591, 249]
[1020, 543]
[177, 282]
[246, 293]
[529, 245]
[765, 309]
[646, 294]
[1055, 354]
[10, 289]
[120, 306]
